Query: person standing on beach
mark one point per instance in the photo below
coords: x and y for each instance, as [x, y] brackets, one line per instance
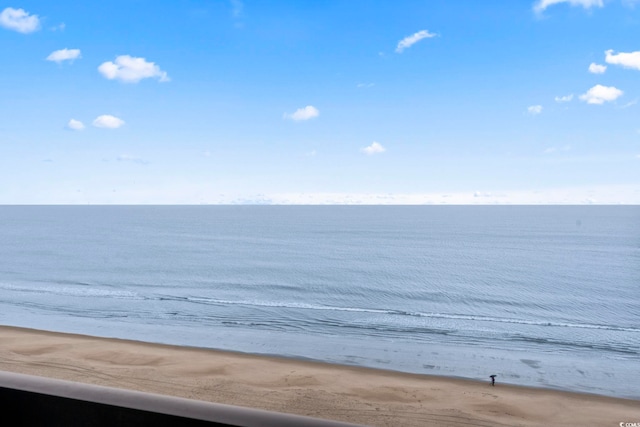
[493, 380]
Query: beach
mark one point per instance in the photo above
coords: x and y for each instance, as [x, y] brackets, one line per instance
[344, 393]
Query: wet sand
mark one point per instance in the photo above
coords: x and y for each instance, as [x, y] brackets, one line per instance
[357, 395]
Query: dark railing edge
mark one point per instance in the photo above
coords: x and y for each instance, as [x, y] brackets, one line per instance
[160, 404]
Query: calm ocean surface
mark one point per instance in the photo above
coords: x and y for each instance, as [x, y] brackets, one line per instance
[542, 296]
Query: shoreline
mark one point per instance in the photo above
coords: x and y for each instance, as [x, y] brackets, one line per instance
[305, 387]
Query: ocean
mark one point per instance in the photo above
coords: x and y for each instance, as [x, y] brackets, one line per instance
[544, 296]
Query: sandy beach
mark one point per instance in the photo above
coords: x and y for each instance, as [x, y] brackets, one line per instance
[357, 395]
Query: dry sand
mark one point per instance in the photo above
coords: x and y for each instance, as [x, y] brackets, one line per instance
[357, 395]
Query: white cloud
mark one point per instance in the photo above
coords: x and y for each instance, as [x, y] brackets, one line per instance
[600, 94]
[597, 68]
[566, 98]
[413, 39]
[627, 194]
[191, 192]
[306, 113]
[19, 20]
[541, 5]
[75, 124]
[107, 121]
[64, 55]
[627, 60]
[130, 69]
[534, 110]
[481, 194]
[374, 148]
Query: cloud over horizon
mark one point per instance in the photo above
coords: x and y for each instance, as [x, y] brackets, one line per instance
[64, 55]
[301, 114]
[409, 41]
[19, 20]
[129, 69]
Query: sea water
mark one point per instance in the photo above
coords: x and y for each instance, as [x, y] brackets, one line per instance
[545, 296]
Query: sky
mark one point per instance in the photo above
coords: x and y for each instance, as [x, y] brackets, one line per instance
[320, 102]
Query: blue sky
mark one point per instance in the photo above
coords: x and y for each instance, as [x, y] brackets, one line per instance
[324, 101]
